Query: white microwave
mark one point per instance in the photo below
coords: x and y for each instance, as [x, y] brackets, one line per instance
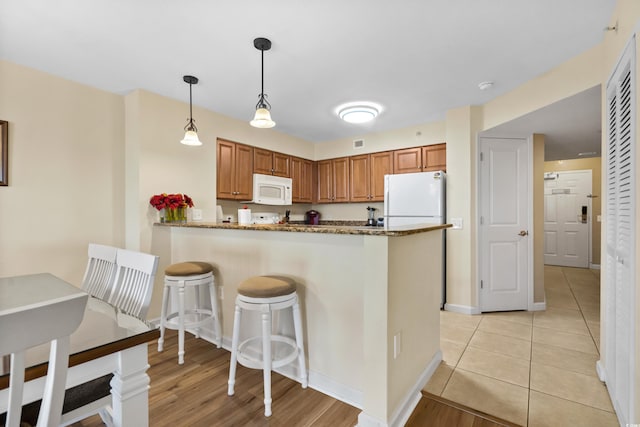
[271, 190]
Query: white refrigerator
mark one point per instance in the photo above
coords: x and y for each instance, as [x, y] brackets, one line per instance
[417, 198]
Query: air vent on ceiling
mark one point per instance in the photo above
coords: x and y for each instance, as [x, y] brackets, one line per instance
[358, 143]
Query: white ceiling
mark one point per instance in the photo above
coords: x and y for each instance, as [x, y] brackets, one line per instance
[418, 58]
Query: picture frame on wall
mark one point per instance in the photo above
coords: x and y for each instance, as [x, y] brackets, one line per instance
[4, 152]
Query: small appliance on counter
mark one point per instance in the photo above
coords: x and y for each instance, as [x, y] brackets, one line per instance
[312, 217]
[371, 221]
[265, 218]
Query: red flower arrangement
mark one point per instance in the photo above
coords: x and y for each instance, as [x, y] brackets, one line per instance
[174, 206]
[171, 201]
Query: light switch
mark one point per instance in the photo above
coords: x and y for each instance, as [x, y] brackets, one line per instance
[457, 223]
[599, 218]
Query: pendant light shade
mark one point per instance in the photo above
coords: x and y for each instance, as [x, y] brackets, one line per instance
[262, 118]
[190, 134]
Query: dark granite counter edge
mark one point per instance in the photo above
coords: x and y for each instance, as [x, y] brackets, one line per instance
[327, 229]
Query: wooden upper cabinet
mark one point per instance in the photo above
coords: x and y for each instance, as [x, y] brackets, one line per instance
[234, 173]
[408, 160]
[420, 159]
[302, 180]
[333, 180]
[360, 178]
[381, 165]
[281, 165]
[262, 161]
[366, 180]
[270, 163]
[434, 158]
[341, 180]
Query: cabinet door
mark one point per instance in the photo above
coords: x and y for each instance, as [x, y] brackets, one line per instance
[281, 165]
[244, 172]
[262, 161]
[407, 160]
[381, 165]
[225, 156]
[341, 180]
[301, 175]
[359, 176]
[325, 181]
[434, 158]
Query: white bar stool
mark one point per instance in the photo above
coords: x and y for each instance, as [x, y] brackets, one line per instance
[267, 294]
[178, 277]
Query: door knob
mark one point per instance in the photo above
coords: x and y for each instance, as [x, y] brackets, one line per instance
[523, 233]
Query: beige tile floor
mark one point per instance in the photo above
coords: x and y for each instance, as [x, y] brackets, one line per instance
[530, 368]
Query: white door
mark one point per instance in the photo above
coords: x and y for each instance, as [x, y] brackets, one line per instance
[619, 269]
[504, 205]
[567, 218]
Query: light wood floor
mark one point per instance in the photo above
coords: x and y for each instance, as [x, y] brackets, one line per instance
[195, 394]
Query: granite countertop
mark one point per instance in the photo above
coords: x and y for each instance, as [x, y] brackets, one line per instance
[335, 227]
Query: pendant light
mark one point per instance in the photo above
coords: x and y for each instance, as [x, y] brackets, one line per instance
[262, 119]
[190, 134]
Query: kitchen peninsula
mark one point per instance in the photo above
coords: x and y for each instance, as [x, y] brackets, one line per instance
[369, 296]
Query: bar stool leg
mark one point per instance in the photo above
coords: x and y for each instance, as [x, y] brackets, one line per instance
[196, 291]
[181, 323]
[234, 350]
[297, 326]
[163, 315]
[266, 359]
[215, 313]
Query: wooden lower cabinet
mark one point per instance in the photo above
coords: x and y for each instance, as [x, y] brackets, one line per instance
[302, 180]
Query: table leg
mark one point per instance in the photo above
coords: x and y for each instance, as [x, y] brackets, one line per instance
[130, 388]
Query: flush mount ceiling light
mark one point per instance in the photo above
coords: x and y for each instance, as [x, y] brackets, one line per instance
[262, 119]
[190, 130]
[358, 112]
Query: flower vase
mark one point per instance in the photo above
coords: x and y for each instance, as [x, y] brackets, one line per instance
[173, 215]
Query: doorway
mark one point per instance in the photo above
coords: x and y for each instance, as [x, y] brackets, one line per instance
[567, 218]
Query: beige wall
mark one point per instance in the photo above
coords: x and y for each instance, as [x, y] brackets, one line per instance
[66, 173]
[593, 164]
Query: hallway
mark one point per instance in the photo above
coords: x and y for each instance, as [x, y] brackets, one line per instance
[531, 368]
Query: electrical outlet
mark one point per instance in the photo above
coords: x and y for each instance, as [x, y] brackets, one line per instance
[197, 214]
[397, 344]
[457, 223]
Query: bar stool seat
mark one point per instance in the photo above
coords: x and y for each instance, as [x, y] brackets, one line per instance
[177, 278]
[267, 294]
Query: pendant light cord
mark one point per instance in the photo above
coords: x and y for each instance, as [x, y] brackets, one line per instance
[190, 126]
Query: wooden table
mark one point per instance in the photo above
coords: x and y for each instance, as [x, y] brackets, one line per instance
[104, 343]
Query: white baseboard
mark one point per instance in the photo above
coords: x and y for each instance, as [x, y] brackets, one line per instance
[402, 413]
[464, 309]
[538, 306]
[594, 266]
[600, 371]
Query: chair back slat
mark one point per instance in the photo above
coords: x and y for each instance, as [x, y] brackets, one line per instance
[135, 274]
[100, 272]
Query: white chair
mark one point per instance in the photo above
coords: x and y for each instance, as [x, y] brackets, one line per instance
[266, 294]
[101, 270]
[133, 285]
[68, 310]
[130, 294]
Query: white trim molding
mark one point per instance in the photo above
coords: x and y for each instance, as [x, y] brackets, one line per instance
[464, 309]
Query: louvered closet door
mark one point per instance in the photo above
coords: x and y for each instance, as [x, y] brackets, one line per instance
[620, 240]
